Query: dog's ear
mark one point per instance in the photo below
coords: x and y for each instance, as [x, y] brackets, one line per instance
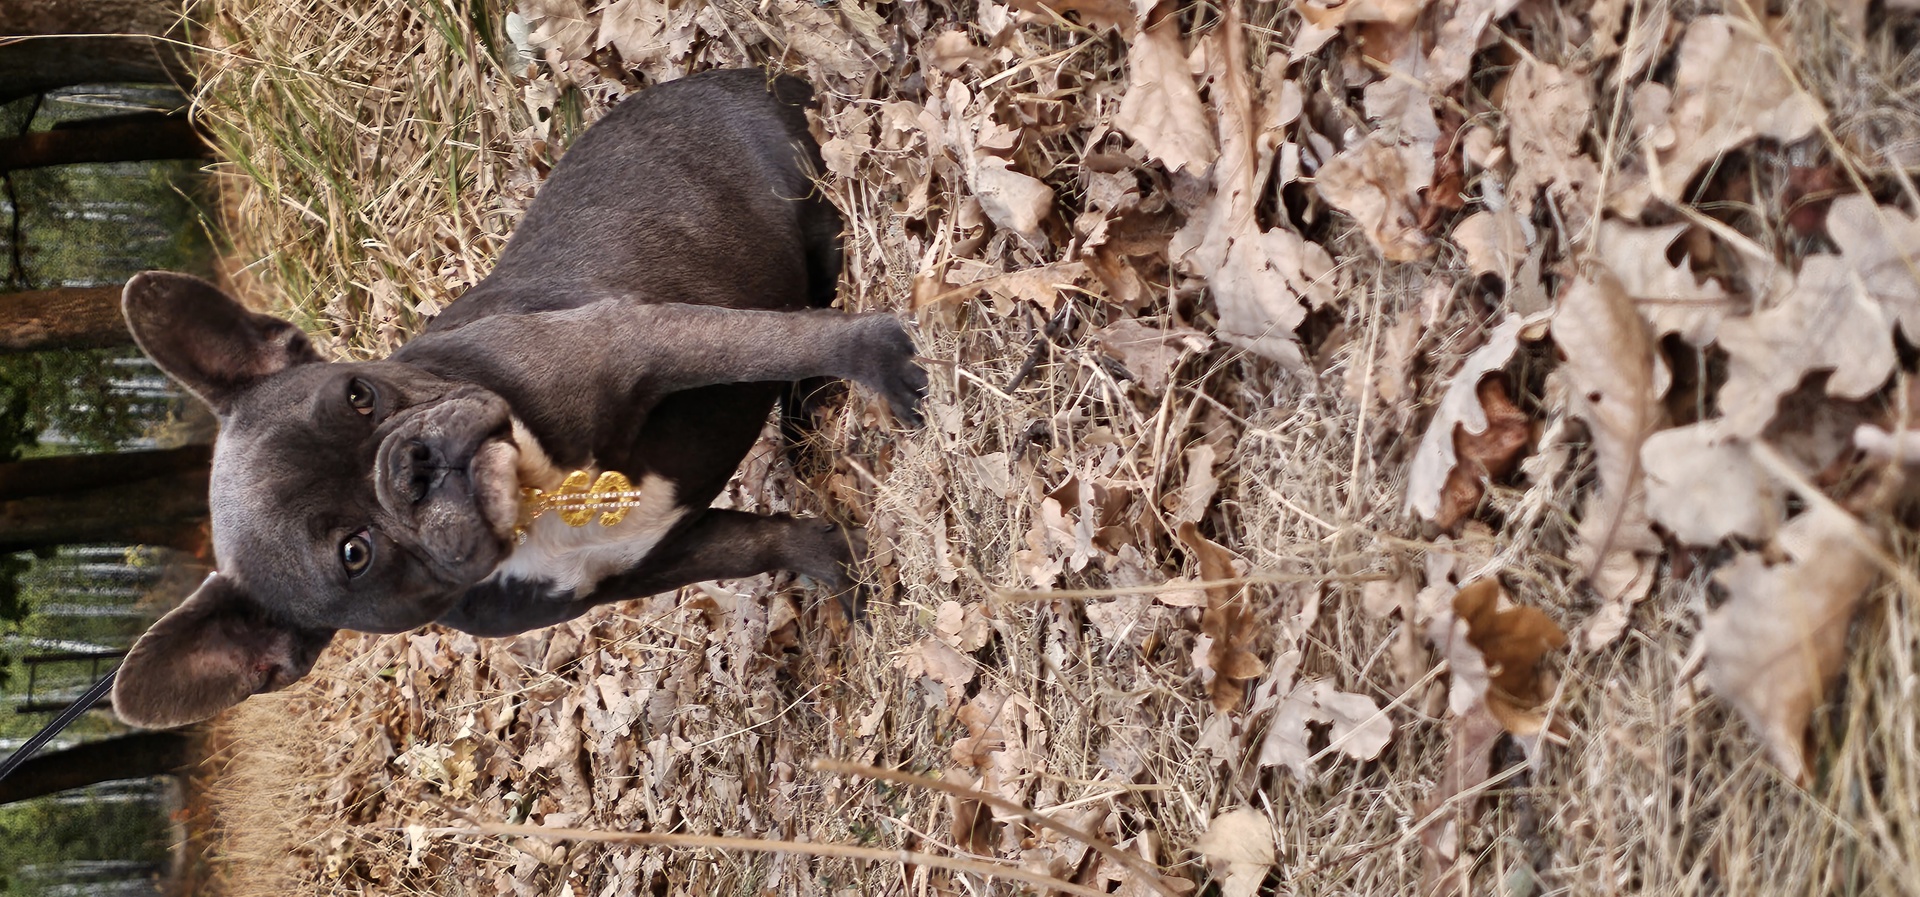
[206, 340]
[210, 653]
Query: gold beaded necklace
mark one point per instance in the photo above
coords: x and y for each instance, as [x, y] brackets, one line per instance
[575, 502]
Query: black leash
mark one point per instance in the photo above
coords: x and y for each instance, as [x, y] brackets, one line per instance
[65, 719]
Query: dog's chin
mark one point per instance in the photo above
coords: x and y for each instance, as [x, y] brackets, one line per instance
[495, 476]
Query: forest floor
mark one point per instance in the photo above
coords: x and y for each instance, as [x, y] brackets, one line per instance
[1441, 446]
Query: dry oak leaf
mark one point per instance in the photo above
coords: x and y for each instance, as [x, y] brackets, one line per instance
[1378, 182]
[1258, 290]
[1012, 201]
[1728, 89]
[1484, 457]
[974, 828]
[1460, 410]
[1777, 644]
[1837, 315]
[1358, 728]
[1548, 111]
[1703, 486]
[1161, 109]
[1495, 241]
[1462, 31]
[1259, 279]
[1150, 351]
[935, 660]
[1612, 380]
[560, 27]
[1221, 655]
[1198, 488]
[1511, 642]
[1669, 296]
[963, 627]
[1334, 13]
[638, 29]
[950, 52]
[1242, 841]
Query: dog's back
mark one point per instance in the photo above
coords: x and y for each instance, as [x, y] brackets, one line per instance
[697, 191]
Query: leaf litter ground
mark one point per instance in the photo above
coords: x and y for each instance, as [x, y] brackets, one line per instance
[1453, 446]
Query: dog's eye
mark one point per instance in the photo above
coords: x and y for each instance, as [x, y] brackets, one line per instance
[356, 554]
[360, 396]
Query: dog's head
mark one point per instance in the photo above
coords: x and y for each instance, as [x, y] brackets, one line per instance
[361, 496]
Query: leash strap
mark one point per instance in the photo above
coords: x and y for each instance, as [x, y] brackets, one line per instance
[65, 719]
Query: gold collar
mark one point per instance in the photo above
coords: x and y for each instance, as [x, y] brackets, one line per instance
[610, 496]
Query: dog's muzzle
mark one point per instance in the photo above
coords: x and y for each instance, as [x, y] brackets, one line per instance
[425, 474]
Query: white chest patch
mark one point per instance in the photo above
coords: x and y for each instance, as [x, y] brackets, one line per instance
[579, 557]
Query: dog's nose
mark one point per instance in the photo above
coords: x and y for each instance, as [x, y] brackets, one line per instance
[421, 471]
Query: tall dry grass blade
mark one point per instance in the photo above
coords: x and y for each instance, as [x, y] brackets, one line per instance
[755, 845]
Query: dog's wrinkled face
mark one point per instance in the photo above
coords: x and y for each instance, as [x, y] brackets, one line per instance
[365, 496]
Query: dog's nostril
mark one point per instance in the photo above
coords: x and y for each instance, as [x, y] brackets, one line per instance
[419, 484]
[419, 471]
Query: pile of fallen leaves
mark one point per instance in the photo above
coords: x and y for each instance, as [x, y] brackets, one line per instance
[1442, 445]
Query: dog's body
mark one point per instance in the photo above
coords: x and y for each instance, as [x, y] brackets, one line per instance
[665, 286]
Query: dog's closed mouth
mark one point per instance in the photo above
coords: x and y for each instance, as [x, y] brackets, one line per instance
[494, 478]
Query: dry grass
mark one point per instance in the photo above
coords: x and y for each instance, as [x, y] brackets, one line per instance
[379, 157]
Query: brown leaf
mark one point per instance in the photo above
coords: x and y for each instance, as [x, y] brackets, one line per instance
[1333, 14]
[1216, 561]
[962, 627]
[1775, 647]
[933, 659]
[1611, 381]
[1161, 109]
[560, 27]
[1228, 626]
[1668, 295]
[1379, 182]
[1548, 111]
[1262, 280]
[1704, 486]
[1197, 490]
[974, 828]
[1512, 642]
[1460, 411]
[1837, 315]
[1461, 25]
[1148, 351]
[1485, 456]
[1495, 241]
[1241, 840]
[953, 50]
[1012, 201]
[1728, 89]
[1358, 728]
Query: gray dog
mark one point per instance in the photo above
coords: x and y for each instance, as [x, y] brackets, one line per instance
[550, 443]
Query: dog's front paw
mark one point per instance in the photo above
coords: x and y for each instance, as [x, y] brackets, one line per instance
[887, 366]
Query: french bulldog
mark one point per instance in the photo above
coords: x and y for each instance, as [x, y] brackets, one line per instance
[667, 284]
